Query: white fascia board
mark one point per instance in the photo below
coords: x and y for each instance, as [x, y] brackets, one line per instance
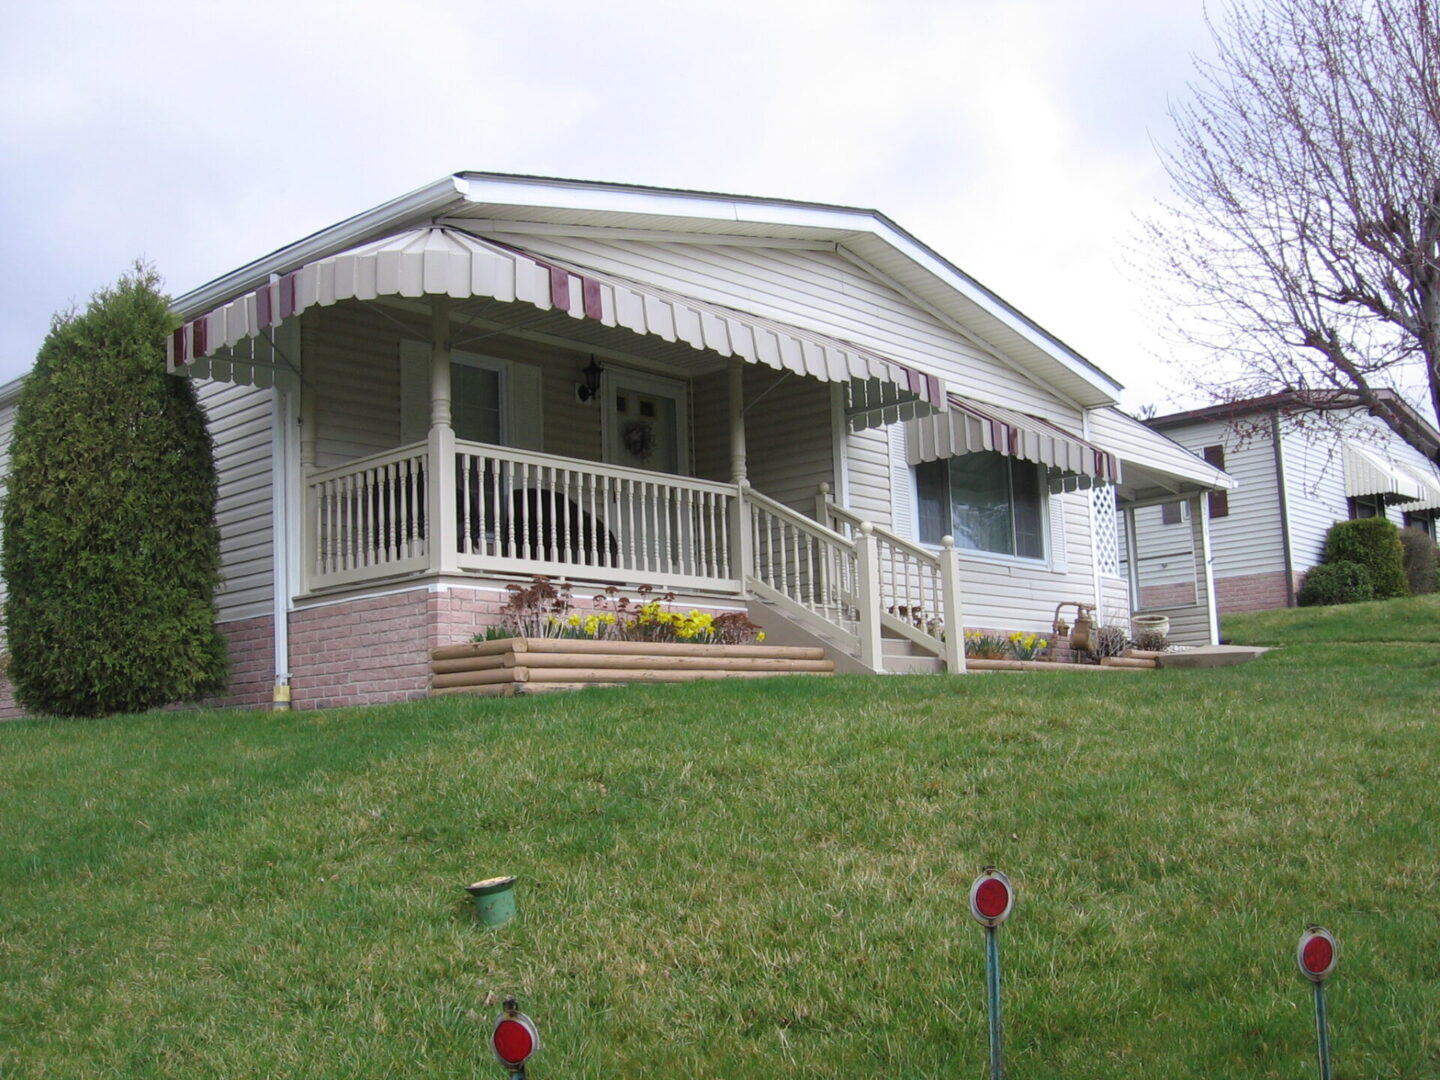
[420, 204]
[590, 197]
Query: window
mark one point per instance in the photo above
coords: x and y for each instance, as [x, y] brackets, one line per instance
[1366, 506]
[1173, 513]
[987, 501]
[1219, 500]
[475, 401]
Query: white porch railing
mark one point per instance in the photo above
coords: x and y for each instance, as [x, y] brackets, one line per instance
[366, 519]
[539, 513]
[523, 512]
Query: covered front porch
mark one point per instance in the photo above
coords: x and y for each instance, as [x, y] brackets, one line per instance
[600, 431]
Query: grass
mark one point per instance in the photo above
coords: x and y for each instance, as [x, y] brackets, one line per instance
[1414, 620]
[726, 878]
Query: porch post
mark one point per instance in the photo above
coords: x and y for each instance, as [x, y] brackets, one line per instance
[742, 541]
[867, 598]
[1132, 559]
[954, 609]
[737, 420]
[443, 536]
[310, 522]
[1204, 564]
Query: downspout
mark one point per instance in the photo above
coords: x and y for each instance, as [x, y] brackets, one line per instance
[1283, 492]
[1094, 550]
[280, 512]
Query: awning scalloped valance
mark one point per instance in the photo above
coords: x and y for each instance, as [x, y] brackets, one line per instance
[436, 260]
[1368, 473]
[969, 427]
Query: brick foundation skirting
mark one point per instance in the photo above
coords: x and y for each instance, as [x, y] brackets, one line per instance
[1252, 592]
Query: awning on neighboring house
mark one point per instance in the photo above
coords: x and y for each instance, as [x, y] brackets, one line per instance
[1368, 473]
[1429, 486]
[969, 427]
[436, 260]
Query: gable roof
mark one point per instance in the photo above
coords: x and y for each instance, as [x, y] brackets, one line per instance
[1293, 401]
[481, 201]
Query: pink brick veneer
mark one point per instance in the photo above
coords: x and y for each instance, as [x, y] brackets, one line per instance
[1252, 592]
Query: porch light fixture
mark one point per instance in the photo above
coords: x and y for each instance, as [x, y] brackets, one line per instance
[590, 388]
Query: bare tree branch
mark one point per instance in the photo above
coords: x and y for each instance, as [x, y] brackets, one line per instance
[1303, 236]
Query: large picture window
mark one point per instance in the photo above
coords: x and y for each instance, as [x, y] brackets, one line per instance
[986, 501]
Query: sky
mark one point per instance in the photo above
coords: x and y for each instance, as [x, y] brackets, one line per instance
[1017, 139]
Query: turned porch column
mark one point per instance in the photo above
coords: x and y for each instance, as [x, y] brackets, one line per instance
[442, 533]
[742, 540]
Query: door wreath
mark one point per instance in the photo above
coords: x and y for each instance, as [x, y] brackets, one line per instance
[639, 439]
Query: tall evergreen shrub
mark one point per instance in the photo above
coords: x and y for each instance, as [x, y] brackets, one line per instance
[1419, 557]
[1374, 543]
[110, 552]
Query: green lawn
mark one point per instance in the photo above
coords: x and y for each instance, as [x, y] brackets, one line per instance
[742, 878]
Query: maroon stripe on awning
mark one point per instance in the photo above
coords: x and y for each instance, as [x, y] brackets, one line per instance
[178, 338]
[933, 393]
[559, 288]
[263, 304]
[590, 291]
[287, 295]
[202, 331]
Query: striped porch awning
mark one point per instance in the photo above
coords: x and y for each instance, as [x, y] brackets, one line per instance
[969, 427]
[441, 261]
[1367, 473]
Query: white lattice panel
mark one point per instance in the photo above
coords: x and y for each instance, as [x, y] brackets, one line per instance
[1107, 531]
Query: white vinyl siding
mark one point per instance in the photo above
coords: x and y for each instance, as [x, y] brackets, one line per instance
[239, 420]
[815, 290]
[1248, 539]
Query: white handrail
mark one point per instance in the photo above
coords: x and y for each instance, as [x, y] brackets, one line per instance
[919, 590]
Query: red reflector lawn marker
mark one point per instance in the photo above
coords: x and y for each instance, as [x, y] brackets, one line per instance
[991, 901]
[1317, 954]
[514, 1038]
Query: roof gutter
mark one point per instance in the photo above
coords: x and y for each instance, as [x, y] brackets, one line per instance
[419, 204]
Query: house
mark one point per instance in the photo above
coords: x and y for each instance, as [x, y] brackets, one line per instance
[1302, 462]
[793, 409]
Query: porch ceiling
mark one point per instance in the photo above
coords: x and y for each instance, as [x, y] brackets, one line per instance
[597, 308]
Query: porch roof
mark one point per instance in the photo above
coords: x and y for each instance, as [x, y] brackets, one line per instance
[439, 261]
[970, 426]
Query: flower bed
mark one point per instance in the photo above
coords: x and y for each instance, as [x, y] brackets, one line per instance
[527, 665]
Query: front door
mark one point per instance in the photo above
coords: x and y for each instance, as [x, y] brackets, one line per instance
[645, 422]
[645, 428]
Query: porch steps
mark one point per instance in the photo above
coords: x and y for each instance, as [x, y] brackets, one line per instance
[900, 655]
[517, 666]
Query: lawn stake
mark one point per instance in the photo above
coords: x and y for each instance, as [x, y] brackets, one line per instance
[1317, 955]
[991, 900]
[513, 1039]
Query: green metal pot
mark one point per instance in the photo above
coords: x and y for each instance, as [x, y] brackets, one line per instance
[494, 900]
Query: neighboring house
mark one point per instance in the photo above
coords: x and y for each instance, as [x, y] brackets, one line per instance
[757, 404]
[1302, 463]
